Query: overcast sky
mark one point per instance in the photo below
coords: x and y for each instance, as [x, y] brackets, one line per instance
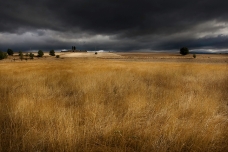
[119, 25]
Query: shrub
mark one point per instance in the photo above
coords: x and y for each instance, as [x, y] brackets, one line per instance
[184, 51]
[10, 52]
[21, 56]
[40, 53]
[52, 53]
[20, 53]
[194, 55]
[31, 55]
[57, 56]
[3, 55]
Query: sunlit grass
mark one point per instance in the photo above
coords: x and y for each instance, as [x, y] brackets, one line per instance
[102, 105]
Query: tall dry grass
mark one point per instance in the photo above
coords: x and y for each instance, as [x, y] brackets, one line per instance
[99, 105]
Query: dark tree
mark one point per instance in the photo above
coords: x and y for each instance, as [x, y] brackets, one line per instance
[73, 47]
[184, 51]
[10, 52]
[52, 53]
[40, 53]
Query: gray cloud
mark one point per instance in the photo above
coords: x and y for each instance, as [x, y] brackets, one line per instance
[113, 25]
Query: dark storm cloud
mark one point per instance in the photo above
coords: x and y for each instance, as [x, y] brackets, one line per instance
[121, 24]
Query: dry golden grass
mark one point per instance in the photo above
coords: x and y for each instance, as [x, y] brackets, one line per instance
[102, 105]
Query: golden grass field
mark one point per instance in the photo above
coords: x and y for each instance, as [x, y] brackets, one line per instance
[93, 104]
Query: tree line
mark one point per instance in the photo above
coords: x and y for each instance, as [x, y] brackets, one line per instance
[10, 52]
[40, 53]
